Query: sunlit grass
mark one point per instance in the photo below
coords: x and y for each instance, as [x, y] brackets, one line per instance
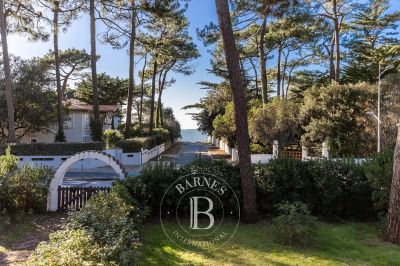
[337, 244]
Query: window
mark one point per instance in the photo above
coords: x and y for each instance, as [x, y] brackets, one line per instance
[34, 140]
[86, 121]
[69, 122]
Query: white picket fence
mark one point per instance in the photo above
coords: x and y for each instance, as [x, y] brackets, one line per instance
[133, 158]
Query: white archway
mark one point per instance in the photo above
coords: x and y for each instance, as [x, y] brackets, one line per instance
[52, 198]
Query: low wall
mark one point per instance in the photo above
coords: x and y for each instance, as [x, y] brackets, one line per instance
[134, 158]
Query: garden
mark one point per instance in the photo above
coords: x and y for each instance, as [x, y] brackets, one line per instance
[317, 212]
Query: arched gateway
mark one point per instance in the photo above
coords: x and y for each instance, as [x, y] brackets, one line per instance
[52, 199]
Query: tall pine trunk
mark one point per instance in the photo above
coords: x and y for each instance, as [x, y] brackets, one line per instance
[337, 40]
[142, 92]
[60, 137]
[7, 75]
[93, 59]
[242, 133]
[278, 74]
[393, 225]
[153, 94]
[131, 86]
[261, 53]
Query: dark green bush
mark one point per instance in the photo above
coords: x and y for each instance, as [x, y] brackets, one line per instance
[48, 149]
[24, 191]
[147, 189]
[331, 189]
[138, 143]
[294, 225]
[96, 129]
[379, 171]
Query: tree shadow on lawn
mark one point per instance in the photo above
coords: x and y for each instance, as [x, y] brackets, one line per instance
[19, 239]
[253, 245]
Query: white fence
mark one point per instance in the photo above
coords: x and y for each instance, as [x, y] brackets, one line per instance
[265, 158]
[133, 158]
[222, 145]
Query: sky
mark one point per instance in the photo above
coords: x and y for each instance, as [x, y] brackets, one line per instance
[115, 62]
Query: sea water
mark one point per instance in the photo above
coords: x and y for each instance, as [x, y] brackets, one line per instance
[192, 135]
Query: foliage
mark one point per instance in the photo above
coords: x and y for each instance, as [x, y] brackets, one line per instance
[60, 137]
[54, 149]
[24, 190]
[106, 219]
[379, 171]
[96, 129]
[276, 120]
[149, 187]
[111, 137]
[35, 102]
[337, 114]
[111, 90]
[149, 142]
[294, 225]
[258, 149]
[8, 163]
[224, 125]
[66, 247]
[331, 189]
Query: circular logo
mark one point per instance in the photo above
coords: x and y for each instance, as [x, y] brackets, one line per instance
[199, 212]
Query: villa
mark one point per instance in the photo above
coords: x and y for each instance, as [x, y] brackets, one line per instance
[76, 126]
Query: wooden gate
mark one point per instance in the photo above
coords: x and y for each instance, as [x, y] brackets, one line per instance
[74, 198]
[291, 151]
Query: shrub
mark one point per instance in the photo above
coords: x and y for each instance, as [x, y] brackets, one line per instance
[147, 189]
[258, 149]
[111, 137]
[332, 189]
[106, 219]
[66, 247]
[379, 171]
[8, 163]
[138, 143]
[294, 225]
[48, 149]
[25, 190]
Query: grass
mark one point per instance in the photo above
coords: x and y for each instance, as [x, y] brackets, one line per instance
[336, 244]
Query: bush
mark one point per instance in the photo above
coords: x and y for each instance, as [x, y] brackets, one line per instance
[130, 145]
[106, 219]
[149, 187]
[8, 163]
[332, 189]
[48, 149]
[66, 247]
[294, 225]
[138, 143]
[25, 190]
[379, 171]
[258, 149]
[111, 137]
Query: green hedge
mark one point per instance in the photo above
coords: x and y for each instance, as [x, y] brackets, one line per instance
[136, 144]
[47, 149]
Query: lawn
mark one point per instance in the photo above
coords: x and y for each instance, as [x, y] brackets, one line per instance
[336, 244]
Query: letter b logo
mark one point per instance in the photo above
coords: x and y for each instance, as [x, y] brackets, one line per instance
[194, 213]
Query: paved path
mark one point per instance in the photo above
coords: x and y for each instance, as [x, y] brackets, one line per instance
[190, 151]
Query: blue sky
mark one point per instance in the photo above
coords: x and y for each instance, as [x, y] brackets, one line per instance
[115, 62]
